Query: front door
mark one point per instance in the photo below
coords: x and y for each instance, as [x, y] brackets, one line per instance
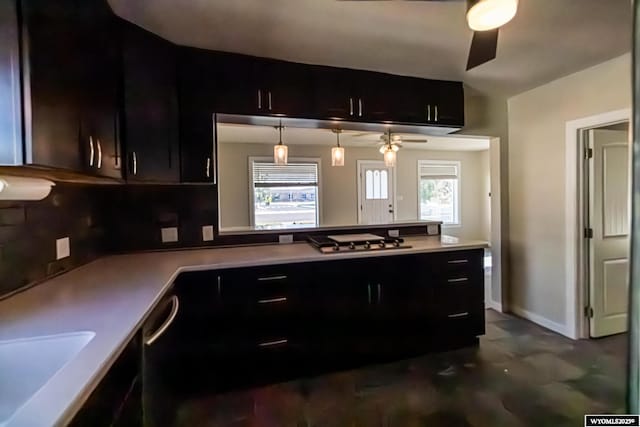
[609, 193]
[376, 193]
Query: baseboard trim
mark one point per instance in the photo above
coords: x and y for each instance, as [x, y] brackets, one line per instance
[497, 306]
[542, 321]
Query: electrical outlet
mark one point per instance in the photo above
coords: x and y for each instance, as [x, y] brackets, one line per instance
[63, 248]
[394, 233]
[169, 234]
[285, 238]
[207, 233]
[432, 230]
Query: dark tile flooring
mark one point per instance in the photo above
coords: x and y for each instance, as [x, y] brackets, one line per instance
[520, 375]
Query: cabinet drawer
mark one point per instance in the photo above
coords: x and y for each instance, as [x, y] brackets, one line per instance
[457, 297]
[461, 324]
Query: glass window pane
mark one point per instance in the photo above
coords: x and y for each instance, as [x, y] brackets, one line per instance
[285, 207]
[384, 184]
[376, 184]
[438, 200]
[369, 184]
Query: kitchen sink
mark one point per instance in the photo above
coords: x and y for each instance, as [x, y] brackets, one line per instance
[27, 364]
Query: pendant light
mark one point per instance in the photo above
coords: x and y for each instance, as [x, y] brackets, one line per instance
[337, 152]
[280, 151]
[484, 15]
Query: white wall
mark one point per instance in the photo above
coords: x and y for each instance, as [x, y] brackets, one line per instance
[536, 154]
[339, 184]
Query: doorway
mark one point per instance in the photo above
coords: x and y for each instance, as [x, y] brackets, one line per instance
[606, 205]
[376, 192]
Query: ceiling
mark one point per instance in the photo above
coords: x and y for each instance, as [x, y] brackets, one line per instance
[251, 134]
[546, 40]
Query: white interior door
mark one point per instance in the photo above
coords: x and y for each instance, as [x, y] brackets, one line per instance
[609, 189]
[376, 193]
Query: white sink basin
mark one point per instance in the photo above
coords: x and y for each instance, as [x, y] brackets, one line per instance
[27, 364]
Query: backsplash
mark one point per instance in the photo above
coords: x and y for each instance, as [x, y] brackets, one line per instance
[28, 233]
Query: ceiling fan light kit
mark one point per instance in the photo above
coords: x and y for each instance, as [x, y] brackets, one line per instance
[484, 15]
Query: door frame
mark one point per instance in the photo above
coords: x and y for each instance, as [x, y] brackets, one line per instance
[359, 165]
[576, 251]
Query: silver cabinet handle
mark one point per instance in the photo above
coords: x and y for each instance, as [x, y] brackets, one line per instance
[379, 293]
[269, 278]
[429, 112]
[458, 261]
[269, 96]
[219, 286]
[91, 151]
[436, 117]
[175, 305]
[99, 154]
[360, 106]
[369, 293]
[259, 99]
[351, 106]
[461, 279]
[458, 315]
[135, 163]
[273, 343]
[208, 168]
[272, 300]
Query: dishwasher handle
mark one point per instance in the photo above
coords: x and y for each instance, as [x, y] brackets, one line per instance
[175, 305]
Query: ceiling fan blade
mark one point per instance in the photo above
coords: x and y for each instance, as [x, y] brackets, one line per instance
[484, 47]
[415, 140]
[360, 135]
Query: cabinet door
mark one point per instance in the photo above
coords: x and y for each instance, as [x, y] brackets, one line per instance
[450, 104]
[334, 95]
[286, 88]
[373, 95]
[98, 134]
[150, 105]
[412, 100]
[198, 94]
[51, 74]
[238, 93]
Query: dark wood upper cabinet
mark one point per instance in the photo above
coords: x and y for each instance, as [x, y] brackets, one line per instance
[284, 88]
[150, 106]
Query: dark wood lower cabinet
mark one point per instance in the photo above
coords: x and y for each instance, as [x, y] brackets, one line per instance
[117, 401]
[246, 327]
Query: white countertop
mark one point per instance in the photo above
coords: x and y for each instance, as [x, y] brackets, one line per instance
[112, 297]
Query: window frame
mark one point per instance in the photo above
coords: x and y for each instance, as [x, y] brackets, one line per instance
[458, 196]
[252, 201]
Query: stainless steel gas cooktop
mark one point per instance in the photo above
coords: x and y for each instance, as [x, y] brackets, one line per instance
[355, 242]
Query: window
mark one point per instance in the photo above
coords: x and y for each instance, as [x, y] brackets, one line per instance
[438, 188]
[284, 196]
[376, 184]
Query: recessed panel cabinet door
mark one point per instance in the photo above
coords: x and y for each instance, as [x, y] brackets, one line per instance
[51, 74]
[286, 88]
[334, 95]
[150, 106]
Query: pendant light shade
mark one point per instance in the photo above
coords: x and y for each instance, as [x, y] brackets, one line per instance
[337, 152]
[484, 15]
[280, 151]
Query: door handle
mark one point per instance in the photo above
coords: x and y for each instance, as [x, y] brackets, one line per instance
[91, 151]
[269, 96]
[428, 113]
[208, 168]
[351, 106]
[175, 306]
[270, 278]
[369, 293]
[458, 315]
[259, 99]
[458, 261]
[219, 286]
[461, 279]
[272, 300]
[360, 106]
[379, 293]
[134, 164]
[99, 154]
[273, 343]
[436, 112]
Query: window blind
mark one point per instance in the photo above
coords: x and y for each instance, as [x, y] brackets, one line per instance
[267, 174]
[438, 170]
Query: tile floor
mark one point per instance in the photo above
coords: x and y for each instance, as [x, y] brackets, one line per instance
[520, 375]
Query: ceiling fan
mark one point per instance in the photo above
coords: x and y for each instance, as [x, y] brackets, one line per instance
[485, 17]
[390, 141]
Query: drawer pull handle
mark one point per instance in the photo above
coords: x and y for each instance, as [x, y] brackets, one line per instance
[273, 343]
[458, 315]
[175, 306]
[461, 279]
[267, 279]
[272, 300]
[458, 261]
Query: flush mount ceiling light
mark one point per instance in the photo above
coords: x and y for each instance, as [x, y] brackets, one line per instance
[484, 15]
[337, 152]
[280, 151]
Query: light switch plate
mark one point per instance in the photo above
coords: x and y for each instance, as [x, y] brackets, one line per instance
[394, 233]
[207, 233]
[169, 234]
[285, 238]
[63, 248]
